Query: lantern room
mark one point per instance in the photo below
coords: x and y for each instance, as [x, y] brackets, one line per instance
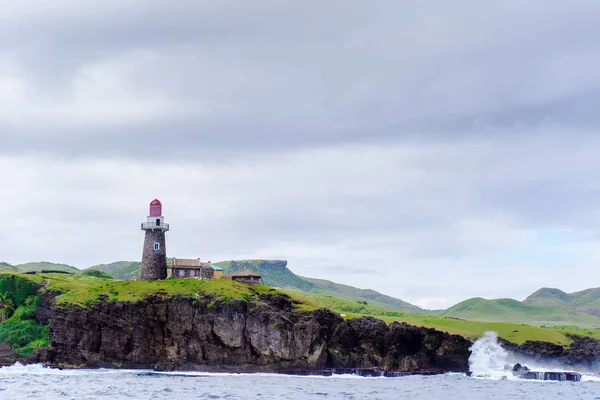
[155, 219]
[155, 208]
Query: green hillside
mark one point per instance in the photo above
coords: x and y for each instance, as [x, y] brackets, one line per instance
[120, 269]
[274, 272]
[587, 301]
[45, 265]
[509, 310]
[346, 291]
[6, 267]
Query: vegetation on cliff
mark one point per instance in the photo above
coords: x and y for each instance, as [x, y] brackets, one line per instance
[18, 326]
[82, 290]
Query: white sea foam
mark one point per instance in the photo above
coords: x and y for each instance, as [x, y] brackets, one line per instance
[39, 369]
[489, 360]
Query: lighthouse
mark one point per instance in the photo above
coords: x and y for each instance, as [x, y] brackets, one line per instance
[154, 256]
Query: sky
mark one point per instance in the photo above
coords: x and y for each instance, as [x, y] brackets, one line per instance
[433, 151]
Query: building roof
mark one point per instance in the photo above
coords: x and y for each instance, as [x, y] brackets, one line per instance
[156, 202]
[246, 272]
[188, 263]
[185, 262]
[216, 268]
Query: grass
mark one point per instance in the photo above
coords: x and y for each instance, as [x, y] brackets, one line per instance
[516, 333]
[84, 290]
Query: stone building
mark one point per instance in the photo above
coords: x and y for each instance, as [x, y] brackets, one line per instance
[246, 276]
[154, 255]
[190, 268]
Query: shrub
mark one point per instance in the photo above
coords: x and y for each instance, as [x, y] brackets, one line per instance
[22, 331]
[96, 273]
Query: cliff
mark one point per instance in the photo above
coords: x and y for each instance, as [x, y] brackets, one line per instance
[263, 333]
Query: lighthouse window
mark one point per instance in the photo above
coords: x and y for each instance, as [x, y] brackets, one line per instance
[156, 246]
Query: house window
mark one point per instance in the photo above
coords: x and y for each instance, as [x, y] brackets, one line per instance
[181, 272]
[192, 273]
[156, 246]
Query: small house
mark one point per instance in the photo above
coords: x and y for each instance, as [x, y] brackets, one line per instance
[246, 276]
[190, 268]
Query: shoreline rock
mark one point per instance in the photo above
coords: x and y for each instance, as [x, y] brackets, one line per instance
[225, 335]
[584, 352]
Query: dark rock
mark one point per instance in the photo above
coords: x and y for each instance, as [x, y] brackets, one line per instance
[367, 342]
[583, 351]
[518, 368]
[263, 334]
[7, 355]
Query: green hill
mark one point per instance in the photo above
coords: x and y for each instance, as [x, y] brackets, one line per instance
[350, 292]
[45, 265]
[509, 310]
[6, 267]
[120, 269]
[586, 301]
[274, 272]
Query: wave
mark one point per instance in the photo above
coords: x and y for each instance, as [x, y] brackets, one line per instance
[489, 360]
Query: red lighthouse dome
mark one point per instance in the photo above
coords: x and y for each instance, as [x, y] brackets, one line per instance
[155, 208]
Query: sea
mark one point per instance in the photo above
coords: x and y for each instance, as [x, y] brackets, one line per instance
[489, 379]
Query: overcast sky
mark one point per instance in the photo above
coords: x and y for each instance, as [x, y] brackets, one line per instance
[433, 151]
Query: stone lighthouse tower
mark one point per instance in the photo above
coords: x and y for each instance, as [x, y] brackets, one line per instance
[154, 256]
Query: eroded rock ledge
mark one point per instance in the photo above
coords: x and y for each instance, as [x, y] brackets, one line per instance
[583, 352]
[264, 334]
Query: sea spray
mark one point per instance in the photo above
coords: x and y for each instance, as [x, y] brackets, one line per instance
[488, 359]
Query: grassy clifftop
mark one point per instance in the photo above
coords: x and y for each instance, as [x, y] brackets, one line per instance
[83, 290]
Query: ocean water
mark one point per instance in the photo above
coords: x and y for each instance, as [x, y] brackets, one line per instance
[37, 382]
[489, 364]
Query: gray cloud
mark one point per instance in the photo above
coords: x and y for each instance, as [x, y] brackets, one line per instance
[424, 142]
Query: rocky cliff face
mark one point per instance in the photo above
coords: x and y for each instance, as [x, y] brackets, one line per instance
[263, 334]
[583, 352]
